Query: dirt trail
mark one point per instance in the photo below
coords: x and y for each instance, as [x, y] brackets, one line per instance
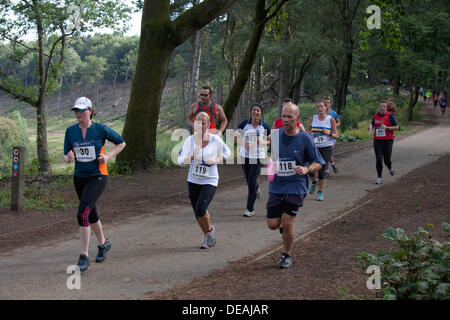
[157, 249]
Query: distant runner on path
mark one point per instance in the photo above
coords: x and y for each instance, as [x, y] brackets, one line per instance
[203, 151]
[291, 150]
[252, 137]
[435, 98]
[84, 142]
[443, 104]
[213, 110]
[428, 95]
[384, 124]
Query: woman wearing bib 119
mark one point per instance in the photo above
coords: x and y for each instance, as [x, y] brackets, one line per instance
[203, 151]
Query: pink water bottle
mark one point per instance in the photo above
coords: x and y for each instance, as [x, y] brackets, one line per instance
[270, 175]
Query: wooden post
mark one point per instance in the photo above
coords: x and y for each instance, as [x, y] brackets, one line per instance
[17, 181]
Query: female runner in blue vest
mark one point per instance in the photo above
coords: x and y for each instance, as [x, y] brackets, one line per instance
[252, 136]
[84, 142]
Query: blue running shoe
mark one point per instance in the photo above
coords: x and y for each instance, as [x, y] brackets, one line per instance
[83, 262]
[102, 250]
[319, 196]
[312, 188]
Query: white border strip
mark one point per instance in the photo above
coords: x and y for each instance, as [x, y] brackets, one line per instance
[314, 230]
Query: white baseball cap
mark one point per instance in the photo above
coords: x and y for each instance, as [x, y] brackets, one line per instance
[82, 103]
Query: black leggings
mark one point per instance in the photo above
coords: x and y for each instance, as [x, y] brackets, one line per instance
[88, 191]
[252, 169]
[383, 152]
[326, 153]
[201, 196]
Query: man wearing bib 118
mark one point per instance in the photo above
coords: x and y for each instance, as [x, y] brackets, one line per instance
[291, 150]
[203, 151]
[252, 136]
[212, 109]
[84, 142]
[383, 139]
[322, 127]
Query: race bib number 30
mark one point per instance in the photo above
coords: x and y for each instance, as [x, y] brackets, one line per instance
[380, 132]
[286, 168]
[85, 153]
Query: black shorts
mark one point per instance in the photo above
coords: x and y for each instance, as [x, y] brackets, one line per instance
[283, 203]
[201, 196]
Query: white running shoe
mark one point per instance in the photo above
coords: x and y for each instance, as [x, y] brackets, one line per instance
[204, 244]
[249, 213]
[379, 180]
[211, 237]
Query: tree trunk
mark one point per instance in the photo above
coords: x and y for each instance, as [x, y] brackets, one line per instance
[247, 61]
[59, 91]
[159, 38]
[348, 15]
[219, 96]
[413, 97]
[41, 139]
[396, 90]
[258, 71]
[294, 90]
[195, 67]
[302, 92]
[344, 79]
[145, 99]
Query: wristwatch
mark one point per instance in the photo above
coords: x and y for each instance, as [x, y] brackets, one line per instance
[309, 169]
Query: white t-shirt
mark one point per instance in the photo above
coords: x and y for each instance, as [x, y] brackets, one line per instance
[250, 135]
[199, 171]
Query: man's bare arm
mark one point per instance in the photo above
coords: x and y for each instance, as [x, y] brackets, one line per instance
[222, 117]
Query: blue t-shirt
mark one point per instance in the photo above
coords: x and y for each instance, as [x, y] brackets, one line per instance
[288, 151]
[333, 114]
[88, 150]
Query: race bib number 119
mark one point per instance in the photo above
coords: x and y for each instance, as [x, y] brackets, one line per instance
[201, 171]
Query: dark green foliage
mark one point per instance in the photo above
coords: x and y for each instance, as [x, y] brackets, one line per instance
[418, 269]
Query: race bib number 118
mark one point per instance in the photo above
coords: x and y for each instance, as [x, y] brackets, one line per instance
[286, 168]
